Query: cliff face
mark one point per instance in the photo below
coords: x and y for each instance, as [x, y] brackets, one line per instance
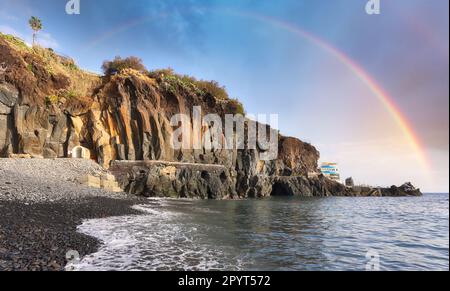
[48, 106]
[38, 103]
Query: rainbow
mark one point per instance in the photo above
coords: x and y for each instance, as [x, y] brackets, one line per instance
[385, 99]
[378, 91]
[116, 30]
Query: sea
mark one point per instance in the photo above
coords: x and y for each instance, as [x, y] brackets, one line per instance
[275, 234]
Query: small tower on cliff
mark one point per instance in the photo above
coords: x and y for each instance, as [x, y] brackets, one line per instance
[349, 182]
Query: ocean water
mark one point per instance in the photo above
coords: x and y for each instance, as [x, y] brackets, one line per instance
[408, 233]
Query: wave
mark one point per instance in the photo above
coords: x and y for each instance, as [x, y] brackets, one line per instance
[160, 239]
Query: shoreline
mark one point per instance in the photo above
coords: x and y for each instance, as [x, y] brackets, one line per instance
[41, 206]
[36, 237]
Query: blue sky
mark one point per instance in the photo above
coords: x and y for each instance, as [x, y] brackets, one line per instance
[272, 70]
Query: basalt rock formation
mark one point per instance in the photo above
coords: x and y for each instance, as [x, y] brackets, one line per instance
[48, 106]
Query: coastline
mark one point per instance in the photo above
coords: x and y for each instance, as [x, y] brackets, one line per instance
[36, 237]
[41, 206]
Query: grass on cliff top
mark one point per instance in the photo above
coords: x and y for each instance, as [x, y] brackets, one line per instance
[47, 55]
[127, 73]
[81, 82]
[175, 81]
[170, 81]
[62, 96]
[179, 84]
[15, 42]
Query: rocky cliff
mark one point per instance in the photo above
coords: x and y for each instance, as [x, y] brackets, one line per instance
[48, 106]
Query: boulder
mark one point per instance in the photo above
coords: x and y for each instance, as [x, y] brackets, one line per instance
[407, 189]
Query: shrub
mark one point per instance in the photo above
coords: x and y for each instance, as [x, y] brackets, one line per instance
[236, 107]
[68, 63]
[119, 64]
[172, 80]
[175, 83]
[69, 94]
[60, 95]
[213, 88]
[73, 67]
[52, 99]
[162, 73]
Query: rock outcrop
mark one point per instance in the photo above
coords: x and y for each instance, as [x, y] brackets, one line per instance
[406, 189]
[48, 107]
[175, 179]
[39, 108]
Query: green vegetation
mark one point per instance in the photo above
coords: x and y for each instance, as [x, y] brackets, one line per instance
[213, 88]
[55, 64]
[61, 96]
[47, 55]
[118, 64]
[81, 81]
[175, 84]
[30, 68]
[51, 68]
[236, 107]
[183, 84]
[71, 66]
[161, 73]
[52, 99]
[36, 25]
[69, 94]
[172, 81]
[14, 41]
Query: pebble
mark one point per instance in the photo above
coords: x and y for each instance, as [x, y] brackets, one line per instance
[46, 180]
[41, 205]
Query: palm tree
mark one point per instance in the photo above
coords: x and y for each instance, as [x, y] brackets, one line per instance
[36, 25]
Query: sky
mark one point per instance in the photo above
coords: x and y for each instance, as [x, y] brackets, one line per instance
[307, 61]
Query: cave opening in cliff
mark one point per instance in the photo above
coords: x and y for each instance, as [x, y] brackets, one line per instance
[280, 189]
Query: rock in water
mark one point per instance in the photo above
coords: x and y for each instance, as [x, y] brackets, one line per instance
[406, 189]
